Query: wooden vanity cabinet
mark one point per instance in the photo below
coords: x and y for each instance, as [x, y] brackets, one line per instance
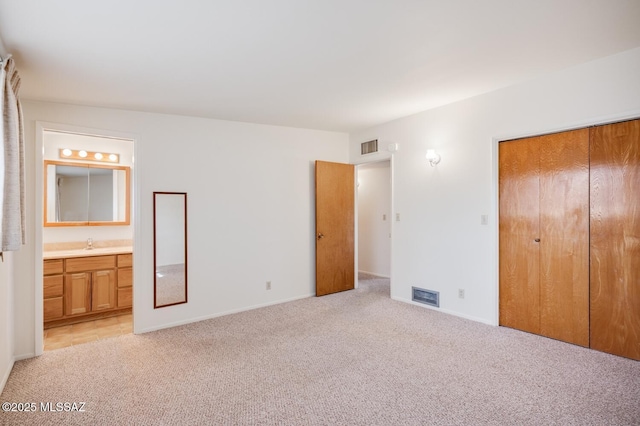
[125, 280]
[83, 288]
[90, 284]
[90, 292]
[53, 289]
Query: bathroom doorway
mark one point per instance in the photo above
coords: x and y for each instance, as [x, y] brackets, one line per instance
[87, 237]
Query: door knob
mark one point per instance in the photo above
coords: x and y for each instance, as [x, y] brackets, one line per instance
[320, 235]
[537, 240]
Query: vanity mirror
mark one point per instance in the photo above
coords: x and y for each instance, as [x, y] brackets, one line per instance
[78, 194]
[169, 248]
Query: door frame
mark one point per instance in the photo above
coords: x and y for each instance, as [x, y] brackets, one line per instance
[41, 127]
[390, 158]
[495, 190]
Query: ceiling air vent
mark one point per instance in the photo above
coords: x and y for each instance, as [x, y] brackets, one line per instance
[428, 297]
[369, 147]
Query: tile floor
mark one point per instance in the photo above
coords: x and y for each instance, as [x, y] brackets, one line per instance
[76, 334]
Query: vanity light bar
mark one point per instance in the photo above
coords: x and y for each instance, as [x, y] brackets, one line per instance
[80, 154]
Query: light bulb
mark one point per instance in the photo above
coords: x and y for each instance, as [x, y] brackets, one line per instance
[66, 152]
[98, 156]
[82, 154]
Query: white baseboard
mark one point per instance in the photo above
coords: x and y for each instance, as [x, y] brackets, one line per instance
[221, 314]
[3, 382]
[25, 356]
[445, 311]
[373, 273]
[4, 379]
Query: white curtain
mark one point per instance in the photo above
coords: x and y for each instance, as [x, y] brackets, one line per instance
[13, 191]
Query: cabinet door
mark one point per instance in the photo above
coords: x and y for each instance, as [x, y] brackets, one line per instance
[125, 277]
[103, 293]
[53, 286]
[52, 308]
[125, 282]
[52, 294]
[125, 260]
[77, 292]
[53, 266]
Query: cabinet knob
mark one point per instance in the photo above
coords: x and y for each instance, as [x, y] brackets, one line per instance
[320, 235]
[537, 240]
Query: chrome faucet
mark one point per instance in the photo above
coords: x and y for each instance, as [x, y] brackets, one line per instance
[89, 244]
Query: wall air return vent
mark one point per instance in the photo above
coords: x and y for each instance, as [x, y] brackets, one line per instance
[428, 297]
[369, 147]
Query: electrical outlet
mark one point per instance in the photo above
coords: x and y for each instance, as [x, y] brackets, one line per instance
[268, 285]
[461, 293]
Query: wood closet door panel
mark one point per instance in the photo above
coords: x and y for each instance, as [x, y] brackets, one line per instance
[564, 236]
[519, 227]
[615, 239]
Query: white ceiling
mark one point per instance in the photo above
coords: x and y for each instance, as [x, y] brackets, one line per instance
[324, 64]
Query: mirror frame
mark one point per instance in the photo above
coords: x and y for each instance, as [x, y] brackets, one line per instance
[155, 277]
[126, 169]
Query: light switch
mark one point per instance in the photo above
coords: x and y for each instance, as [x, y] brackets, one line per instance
[397, 217]
[484, 219]
[384, 217]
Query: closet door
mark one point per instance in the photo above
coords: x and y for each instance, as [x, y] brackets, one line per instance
[615, 239]
[519, 163]
[544, 235]
[564, 236]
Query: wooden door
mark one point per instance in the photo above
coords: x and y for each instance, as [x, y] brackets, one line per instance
[103, 290]
[519, 227]
[564, 236]
[335, 206]
[77, 293]
[615, 239]
[544, 235]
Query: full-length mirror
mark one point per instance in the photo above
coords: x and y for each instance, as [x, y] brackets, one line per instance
[170, 248]
[78, 194]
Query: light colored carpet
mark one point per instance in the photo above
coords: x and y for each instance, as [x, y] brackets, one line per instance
[353, 358]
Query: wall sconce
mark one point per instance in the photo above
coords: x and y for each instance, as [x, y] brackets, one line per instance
[80, 154]
[433, 157]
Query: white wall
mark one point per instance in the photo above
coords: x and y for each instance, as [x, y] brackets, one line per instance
[439, 243]
[7, 285]
[251, 209]
[374, 218]
[6, 318]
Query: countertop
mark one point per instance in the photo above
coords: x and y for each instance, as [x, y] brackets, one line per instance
[57, 254]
